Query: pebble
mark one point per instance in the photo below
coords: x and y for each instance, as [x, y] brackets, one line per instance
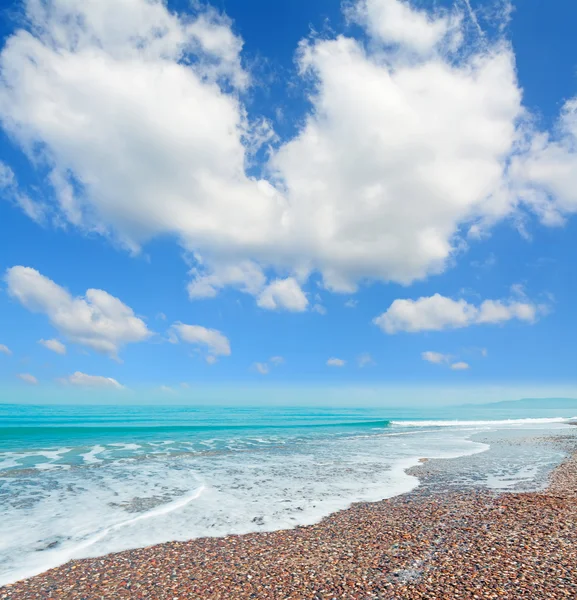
[422, 545]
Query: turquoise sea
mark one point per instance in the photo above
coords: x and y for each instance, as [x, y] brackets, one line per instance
[80, 481]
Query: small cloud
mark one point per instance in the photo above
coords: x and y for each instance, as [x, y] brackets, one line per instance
[54, 345]
[96, 320]
[435, 357]
[91, 381]
[336, 362]
[28, 378]
[320, 309]
[211, 359]
[365, 360]
[518, 289]
[184, 385]
[476, 232]
[166, 389]
[5, 350]
[262, 368]
[543, 262]
[7, 177]
[283, 294]
[489, 262]
[437, 313]
[352, 303]
[211, 340]
[9, 185]
[475, 351]
[460, 366]
[161, 316]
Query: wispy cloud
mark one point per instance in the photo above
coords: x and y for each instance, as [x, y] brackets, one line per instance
[460, 366]
[264, 368]
[336, 362]
[53, 345]
[91, 381]
[365, 360]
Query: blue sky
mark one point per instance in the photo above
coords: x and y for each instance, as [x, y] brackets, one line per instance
[298, 195]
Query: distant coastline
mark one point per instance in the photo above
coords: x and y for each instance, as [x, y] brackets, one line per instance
[539, 403]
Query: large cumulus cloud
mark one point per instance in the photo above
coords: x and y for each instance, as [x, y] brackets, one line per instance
[413, 139]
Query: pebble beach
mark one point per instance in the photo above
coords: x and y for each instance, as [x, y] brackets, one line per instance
[432, 543]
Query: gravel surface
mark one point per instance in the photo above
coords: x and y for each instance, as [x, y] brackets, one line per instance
[421, 545]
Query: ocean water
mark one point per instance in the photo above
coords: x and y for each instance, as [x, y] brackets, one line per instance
[85, 481]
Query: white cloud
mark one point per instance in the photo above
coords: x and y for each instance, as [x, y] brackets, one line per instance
[320, 309]
[486, 264]
[352, 303]
[473, 17]
[546, 174]
[165, 389]
[54, 345]
[26, 377]
[433, 313]
[437, 312]
[460, 366]
[213, 340]
[365, 360]
[518, 289]
[246, 276]
[10, 189]
[7, 177]
[336, 362]
[497, 311]
[97, 320]
[211, 359]
[406, 145]
[5, 350]
[156, 121]
[438, 358]
[400, 153]
[283, 294]
[262, 368]
[95, 381]
[435, 357]
[397, 22]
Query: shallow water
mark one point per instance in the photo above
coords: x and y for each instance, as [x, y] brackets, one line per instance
[86, 481]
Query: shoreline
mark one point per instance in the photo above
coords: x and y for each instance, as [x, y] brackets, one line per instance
[428, 543]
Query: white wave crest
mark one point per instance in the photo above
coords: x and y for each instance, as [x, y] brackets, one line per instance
[482, 423]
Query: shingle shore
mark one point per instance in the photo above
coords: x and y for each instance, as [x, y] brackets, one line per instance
[426, 544]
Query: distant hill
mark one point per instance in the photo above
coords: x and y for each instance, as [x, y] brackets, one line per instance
[536, 403]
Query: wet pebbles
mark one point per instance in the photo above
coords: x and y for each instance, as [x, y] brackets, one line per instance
[424, 544]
